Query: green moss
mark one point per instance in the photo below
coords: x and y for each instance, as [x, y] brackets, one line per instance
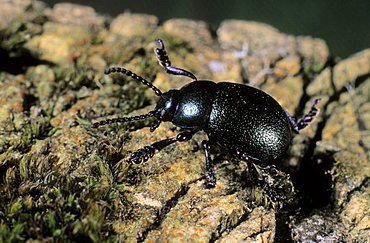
[13, 234]
[15, 208]
[38, 128]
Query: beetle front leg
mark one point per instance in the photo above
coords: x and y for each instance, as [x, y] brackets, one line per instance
[144, 154]
[210, 170]
[165, 62]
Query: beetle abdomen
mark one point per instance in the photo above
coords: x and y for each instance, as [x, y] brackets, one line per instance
[246, 120]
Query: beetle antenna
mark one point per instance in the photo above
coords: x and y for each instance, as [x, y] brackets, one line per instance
[133, 75]
[165, 62]
[123, 119]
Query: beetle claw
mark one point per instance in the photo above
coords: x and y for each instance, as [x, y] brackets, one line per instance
[210, 182]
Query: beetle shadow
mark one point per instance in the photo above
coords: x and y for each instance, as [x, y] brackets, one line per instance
[266, 185]
[313, 183]
[17, 64]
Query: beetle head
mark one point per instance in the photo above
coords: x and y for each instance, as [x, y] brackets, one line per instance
[166, 106]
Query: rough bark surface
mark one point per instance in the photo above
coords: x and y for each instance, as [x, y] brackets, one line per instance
[62, 180]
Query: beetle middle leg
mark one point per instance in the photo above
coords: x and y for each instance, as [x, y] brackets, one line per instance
[165, 62]
[210, 170]
[144, 154]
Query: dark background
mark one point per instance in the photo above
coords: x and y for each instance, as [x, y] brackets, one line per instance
[343, 24]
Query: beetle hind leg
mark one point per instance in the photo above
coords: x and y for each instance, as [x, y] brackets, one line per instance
[246, 157]
[307, 118]
[165, 62]
[276, 184]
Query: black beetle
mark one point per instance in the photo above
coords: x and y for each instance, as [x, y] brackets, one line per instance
[245, 121]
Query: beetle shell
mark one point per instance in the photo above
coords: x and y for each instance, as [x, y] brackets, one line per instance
[239, 118]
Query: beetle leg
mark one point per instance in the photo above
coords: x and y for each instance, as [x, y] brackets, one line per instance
[293, 123]
[306, 118]
[210, 170]
[244, 156]
[165, 62]
[144, 154]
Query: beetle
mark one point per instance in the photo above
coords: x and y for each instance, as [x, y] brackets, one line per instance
[244, 121]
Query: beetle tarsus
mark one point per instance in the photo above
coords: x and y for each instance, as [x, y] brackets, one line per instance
[165, 62]
[309, 116]
[141, 155]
